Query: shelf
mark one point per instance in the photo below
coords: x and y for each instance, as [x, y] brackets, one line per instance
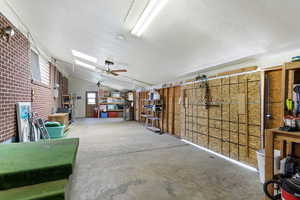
[154, 129]
[114, 111]
[153, 118]
[111, 103]
[110, 97]
[152, 100]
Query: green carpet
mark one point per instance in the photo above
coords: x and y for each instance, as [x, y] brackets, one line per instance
[24, 164]
[45, 191]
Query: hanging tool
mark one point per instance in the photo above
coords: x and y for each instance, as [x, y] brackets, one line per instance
[290, 105]
[297, 91]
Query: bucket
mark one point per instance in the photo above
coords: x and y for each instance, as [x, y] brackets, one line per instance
[55, 131]
[261, 163]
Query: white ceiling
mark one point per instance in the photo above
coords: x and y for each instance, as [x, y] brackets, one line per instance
[186, 36]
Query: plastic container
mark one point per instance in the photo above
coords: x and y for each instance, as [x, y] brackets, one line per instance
[261, 163]
[55, 130]
[112, 114]
[103, 115]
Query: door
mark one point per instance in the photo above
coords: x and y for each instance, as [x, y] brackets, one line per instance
[91, 103]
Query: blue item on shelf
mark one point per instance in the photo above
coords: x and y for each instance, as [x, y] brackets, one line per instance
[104, 115]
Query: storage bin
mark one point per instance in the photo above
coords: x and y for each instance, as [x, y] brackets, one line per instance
[120, 114]
[112, 114]
[55, 131]
[112, 107]
[103, 115]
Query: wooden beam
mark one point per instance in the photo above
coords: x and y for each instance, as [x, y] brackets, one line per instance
[269, 159]
[173, 113]
[246, 69]
[262, 107]
[279, 67]
[291, 77]
[247, 119]
[292, 65]
[283, 92]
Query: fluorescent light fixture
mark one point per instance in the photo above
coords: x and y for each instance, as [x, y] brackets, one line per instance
[222, 156]
[84, 56]
[150, 12]
[85, 65]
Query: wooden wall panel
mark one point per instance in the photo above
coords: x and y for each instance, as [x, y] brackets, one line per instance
[273, 101]
[170, 105]
[177, 111]
[226, 127]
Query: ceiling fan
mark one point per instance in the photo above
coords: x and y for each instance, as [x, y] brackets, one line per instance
[110, 71]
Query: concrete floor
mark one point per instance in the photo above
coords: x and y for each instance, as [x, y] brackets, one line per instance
[123, 161]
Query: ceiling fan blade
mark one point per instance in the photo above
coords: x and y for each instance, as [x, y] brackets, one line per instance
[113, 73]
[119, 70]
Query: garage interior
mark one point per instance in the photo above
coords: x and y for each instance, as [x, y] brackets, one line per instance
[149, 99]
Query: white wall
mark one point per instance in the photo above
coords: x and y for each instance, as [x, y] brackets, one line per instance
[79, 87]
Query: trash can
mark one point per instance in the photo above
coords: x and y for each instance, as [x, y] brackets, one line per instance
[55, 129]
[261, 163]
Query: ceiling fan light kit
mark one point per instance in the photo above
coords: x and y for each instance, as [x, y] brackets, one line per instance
[148, 15]
[109, 63]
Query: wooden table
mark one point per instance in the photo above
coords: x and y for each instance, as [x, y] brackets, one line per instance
[286, 140]
[62, 118]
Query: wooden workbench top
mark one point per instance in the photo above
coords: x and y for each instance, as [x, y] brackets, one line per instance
[292, 133]
[58, 114]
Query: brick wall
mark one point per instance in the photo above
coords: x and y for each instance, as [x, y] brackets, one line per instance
[14, 79]
[16, 85]
[42, 100]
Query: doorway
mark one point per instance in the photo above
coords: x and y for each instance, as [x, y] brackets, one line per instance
[91, 103]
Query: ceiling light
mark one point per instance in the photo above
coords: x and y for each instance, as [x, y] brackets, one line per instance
[150, 12]
[84, 56]
[85, 65]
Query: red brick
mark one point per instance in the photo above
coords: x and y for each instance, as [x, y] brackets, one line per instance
[16, 86]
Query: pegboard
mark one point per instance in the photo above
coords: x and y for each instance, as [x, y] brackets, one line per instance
[224, 115]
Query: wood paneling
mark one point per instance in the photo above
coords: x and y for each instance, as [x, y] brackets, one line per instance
[171, 117]
[231, 124]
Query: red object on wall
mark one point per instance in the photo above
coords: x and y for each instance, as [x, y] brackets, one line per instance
[112, 114]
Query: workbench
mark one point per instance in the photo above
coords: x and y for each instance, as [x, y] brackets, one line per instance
[286, 140]
[62, 118]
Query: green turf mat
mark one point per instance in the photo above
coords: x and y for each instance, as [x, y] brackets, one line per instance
[45, 191]
[24, 164]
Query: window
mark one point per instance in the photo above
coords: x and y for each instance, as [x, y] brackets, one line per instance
[39, 68]
[91, 98]
[35, 67]
[91, 101]
[44, 69]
